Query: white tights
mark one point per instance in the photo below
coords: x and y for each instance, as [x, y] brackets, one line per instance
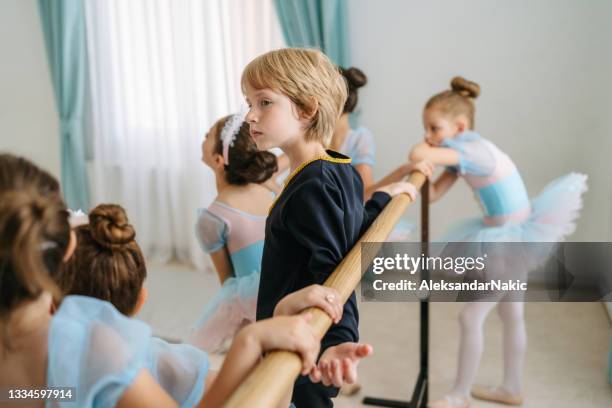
[472, 320]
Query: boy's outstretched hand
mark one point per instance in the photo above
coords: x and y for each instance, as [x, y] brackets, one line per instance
[338, 364]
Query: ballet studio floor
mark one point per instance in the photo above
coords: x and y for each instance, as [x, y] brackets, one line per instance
[565, 364]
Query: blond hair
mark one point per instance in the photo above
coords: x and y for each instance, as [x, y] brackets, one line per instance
[458, 100]
[309, 79]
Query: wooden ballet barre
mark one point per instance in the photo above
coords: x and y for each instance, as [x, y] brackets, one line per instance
[276, 373]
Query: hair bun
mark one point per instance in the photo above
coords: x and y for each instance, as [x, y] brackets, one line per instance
[465, 88]
[110, 227]
[354, 77]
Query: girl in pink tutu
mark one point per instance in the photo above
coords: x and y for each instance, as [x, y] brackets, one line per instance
[232, 228]
[508, 216]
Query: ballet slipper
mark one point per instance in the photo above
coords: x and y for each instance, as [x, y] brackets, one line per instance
[450, 402]
[350, 389]
[496, 394]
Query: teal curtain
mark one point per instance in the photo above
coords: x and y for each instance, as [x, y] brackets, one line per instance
[63, 24]
[316, 23]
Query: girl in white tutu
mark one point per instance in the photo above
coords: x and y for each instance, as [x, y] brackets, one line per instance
[508, 216]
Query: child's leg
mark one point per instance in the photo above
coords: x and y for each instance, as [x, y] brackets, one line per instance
[515, 344]
[472, 320]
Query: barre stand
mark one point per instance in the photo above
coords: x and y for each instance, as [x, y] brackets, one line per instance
[420, 394]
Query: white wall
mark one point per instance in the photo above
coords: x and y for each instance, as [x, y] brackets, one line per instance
[545, 72]
[28, 120]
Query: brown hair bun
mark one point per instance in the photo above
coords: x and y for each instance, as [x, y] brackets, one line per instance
[355, 79]
[465, 88]
[247, 164]
[110, 227]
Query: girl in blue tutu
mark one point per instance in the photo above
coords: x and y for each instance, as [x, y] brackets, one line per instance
[508, 216]
[359, 145]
